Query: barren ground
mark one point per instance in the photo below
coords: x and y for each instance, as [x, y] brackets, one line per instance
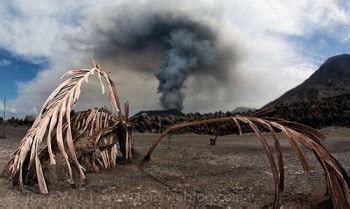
[187, 172]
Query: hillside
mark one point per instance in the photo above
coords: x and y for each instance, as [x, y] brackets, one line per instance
[321, 100]
[331, 79]
[330, 111]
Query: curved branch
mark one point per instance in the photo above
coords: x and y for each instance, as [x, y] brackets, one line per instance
[337, 179]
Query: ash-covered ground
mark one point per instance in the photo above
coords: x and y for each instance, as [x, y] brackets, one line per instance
[185, 171]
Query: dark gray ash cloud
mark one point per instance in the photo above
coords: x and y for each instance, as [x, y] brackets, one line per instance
[171, 45]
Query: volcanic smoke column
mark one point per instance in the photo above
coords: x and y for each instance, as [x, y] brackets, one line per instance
[177, 46]
[186, 53]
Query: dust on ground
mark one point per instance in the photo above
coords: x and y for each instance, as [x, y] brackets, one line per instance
[186, 172]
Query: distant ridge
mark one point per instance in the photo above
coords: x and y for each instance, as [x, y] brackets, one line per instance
[243, 109]
[320, 101]
[173, 111]
[331, 79]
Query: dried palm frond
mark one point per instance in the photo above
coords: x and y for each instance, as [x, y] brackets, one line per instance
[96, 130]
[94, 136]
[297, 134]
[55, 116]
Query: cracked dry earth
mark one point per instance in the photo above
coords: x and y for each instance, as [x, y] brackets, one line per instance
[186, 172]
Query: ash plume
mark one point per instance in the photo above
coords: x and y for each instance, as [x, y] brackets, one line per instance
[187, 50]
[183, 46]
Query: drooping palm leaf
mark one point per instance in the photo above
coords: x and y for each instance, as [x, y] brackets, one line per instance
[297, 134]
[55, 116]
[94, 130]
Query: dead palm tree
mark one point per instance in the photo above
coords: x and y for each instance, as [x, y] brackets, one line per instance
[99, 125]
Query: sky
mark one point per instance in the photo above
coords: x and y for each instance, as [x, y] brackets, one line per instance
[277, 44]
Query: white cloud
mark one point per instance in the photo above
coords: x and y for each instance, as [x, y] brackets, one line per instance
[11, 110]
[271, 64]
[5, 62]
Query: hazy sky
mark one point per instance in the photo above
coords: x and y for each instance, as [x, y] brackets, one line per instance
[277, 44]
